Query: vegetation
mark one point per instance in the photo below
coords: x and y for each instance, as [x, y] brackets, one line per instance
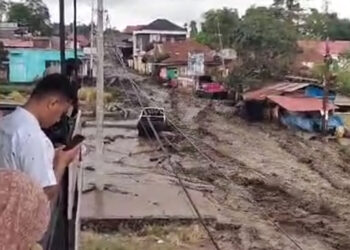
[265, 38]
[340, 70]
[193, 29]
[152, 237]
[217, 23]
[320, 26]
[266, 42]
[31, 13]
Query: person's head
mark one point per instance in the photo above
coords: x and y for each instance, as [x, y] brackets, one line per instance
[51, 98]
[24, 211]
[72, 66]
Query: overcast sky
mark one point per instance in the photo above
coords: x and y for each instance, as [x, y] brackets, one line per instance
[132, 12]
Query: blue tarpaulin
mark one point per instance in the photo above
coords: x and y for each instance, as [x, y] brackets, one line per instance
[317, 92]
[298, 122]
[311, 124]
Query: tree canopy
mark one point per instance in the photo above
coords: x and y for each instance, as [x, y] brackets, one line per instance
[319, 25]
[265, 41]
[265, 38]
[31, 13]
[193, 29]
[221, 22]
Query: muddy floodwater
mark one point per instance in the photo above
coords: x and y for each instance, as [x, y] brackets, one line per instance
[137, 185]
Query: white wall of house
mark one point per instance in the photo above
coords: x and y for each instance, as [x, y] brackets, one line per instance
[149, 36]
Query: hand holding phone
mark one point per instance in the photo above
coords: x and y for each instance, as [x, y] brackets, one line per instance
[76, 140]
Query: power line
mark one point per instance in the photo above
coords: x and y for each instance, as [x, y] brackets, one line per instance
[166, 152]
[213, 164]
[226, 177]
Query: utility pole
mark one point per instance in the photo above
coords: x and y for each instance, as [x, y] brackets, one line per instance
[326, 78]
[99, 88]
[75, 38]
[62, 38]
[221, 47]
[92, 39]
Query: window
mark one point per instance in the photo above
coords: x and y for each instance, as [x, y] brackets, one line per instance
[51, 63]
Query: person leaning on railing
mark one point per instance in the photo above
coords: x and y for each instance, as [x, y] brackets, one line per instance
[23, 144]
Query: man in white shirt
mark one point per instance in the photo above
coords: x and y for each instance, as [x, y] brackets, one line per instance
[23, 144]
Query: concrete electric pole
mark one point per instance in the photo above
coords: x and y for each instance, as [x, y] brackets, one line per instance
[99, 87]
[92, 39]
[327, 76]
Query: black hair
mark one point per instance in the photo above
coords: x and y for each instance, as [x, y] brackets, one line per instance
[55, 84]
[72, 65]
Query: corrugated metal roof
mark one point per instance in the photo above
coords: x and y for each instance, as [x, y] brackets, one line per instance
[341, 100]
[277, 89]
[304, 104]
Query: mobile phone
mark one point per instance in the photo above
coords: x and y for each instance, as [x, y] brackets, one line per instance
[76, 140]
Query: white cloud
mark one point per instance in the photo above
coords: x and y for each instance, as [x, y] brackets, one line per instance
[132, 12]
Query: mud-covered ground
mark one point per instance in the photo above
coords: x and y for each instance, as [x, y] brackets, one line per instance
[285, 192]
[276, 189]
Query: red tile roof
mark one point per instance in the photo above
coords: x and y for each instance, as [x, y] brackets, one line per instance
[17, 43]
[304, 104]
[178, 51]
[276, 89]
[84, 42]
[314, 51]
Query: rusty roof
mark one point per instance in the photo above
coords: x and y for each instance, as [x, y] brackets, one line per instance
[300, 104]
[276, 89]
[314, 51]
[17, 43]
[178, 51]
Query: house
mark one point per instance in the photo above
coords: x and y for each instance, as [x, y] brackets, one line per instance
[28, 64]
[170, 59]
[131, 28]
[312, 52]
[295, 105]
[161, 30]
[120, 40]
[82, 41]
[29, 58]
[11, 30]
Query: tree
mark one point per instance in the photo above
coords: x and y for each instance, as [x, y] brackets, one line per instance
[40, 20]
[219, 22]
[32, 13]
[319, 25]
[290, 9]
[266, 42]
[315, 25]
[20, 13]
[290, 5]
[193, 29]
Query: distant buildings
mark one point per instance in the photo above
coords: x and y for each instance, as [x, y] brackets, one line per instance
[144, 38]
[30, 57]
[312, 52]
[170, 59]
